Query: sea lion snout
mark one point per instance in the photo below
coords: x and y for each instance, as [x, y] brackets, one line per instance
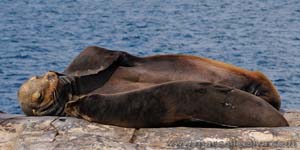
[37, 92]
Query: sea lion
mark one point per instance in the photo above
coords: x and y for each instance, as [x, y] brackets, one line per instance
[98, 71]
[140, 72]
[169, 103]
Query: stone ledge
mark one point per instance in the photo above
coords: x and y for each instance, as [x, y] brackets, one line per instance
[21, 132]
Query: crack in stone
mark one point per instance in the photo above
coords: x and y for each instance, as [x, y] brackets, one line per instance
[55, 129]
[133, 136]
[3, 120]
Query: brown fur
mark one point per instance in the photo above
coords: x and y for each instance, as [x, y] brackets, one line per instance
[170, 103]
[99, 73]
[44, 85]
[152, 70]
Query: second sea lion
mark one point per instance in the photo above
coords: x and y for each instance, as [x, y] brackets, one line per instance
[169, 103]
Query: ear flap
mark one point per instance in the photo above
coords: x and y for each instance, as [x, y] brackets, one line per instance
[92, 60]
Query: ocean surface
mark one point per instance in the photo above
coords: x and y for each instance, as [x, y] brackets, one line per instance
[39, 35]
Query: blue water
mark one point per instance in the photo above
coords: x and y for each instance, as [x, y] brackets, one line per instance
[39, 35]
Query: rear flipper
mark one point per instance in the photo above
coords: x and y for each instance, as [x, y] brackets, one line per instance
[178, 102]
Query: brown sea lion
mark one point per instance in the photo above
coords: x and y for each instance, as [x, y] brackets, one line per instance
[169, 103]
[98, 71]
[140, 72]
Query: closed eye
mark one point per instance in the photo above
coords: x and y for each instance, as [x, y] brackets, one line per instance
[37, 96]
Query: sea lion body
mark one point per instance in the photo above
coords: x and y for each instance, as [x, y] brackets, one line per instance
[100, 85]
[173, 102]
[141, 72]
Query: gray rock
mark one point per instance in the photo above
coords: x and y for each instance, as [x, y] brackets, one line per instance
[21, 132]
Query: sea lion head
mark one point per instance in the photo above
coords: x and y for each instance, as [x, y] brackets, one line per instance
[264, 88]
[41, 95]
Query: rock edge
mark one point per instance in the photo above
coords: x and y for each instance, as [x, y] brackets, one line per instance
[21, 132]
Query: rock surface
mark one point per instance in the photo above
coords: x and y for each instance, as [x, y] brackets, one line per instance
[21, 132]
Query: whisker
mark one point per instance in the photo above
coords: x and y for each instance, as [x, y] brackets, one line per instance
[58, 99]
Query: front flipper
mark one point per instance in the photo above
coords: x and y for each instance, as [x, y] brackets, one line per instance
[94, 59]
[101, 109]
[116, 110]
